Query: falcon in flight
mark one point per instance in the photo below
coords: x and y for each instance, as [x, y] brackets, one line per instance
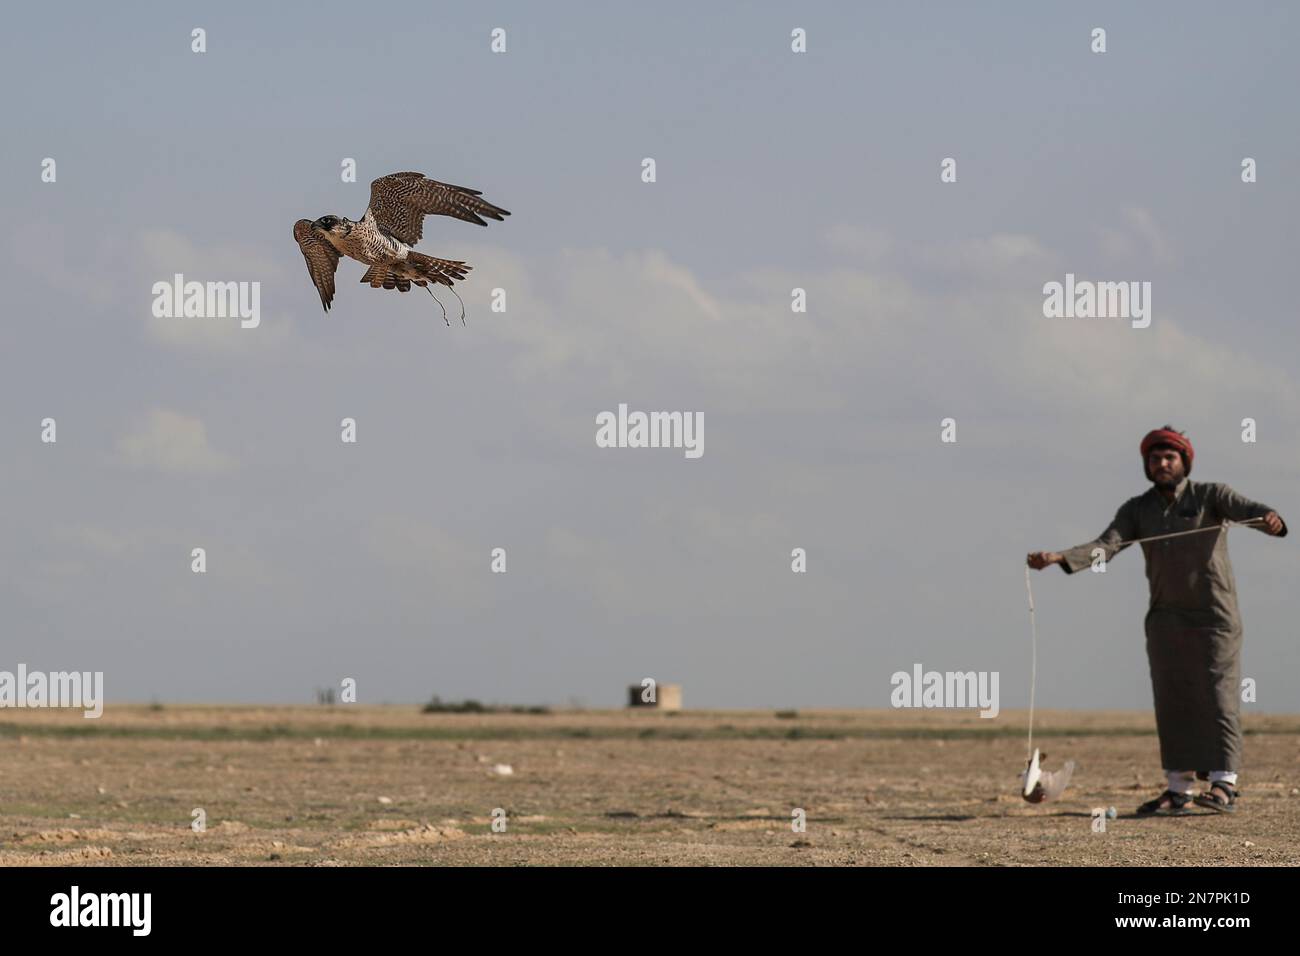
[394, 221]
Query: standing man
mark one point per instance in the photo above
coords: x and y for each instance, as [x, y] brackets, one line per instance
[1193, 629]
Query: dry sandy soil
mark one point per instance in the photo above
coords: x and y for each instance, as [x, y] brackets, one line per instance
[352, 785]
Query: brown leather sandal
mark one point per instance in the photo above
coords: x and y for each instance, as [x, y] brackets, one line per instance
[1227, 803]
[1168, 804]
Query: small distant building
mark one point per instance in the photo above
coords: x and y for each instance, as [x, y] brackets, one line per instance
[667, 697]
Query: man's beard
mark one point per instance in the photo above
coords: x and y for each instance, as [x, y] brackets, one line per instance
[1167, 484]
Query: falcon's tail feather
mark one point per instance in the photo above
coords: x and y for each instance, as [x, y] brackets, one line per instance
[442, 271]
[431, 269]
[378, 277]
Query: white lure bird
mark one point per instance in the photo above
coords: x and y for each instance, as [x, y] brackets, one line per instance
[1040, 784]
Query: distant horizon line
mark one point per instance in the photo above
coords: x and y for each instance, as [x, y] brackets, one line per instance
[571, 708]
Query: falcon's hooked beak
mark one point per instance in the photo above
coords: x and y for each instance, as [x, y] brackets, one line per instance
[332, 230]
[328, 224]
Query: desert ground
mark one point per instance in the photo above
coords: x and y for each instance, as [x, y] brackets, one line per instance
[349, 785]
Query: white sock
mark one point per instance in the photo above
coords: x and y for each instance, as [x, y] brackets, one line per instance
[1181, 781]
[1227, 776]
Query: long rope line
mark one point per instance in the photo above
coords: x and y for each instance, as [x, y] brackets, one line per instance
[1033, 664]
[1176, 534]
[1033, 626]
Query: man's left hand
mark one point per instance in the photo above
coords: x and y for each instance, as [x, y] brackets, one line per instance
[1272, 523]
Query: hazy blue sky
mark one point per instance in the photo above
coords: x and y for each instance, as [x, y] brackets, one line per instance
[775, 170]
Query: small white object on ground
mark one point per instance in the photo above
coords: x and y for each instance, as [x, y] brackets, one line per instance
[503, 769]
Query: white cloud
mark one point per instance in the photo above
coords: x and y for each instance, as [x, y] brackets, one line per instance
[170, 442]
[1138, 237]
[120, 273]
[872, 336]
[163, 253]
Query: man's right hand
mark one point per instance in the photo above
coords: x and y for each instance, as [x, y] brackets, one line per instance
[1044, 559]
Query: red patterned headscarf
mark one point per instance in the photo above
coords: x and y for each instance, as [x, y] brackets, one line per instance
[1168, 437]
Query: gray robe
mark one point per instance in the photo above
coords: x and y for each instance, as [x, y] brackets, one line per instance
[1193, 629]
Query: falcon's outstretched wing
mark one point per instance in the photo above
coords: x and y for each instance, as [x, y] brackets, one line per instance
[400, 201]
[321, 258]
